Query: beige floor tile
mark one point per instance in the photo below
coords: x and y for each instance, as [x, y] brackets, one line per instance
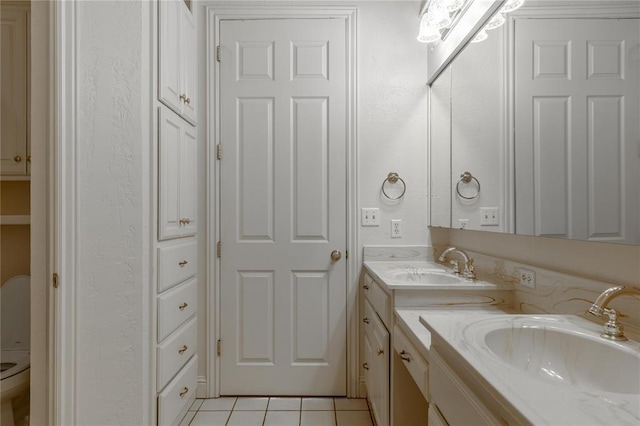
[196, 405]
[218, 404]
[317, 404]
[351, 404]
[282, 418]
[284, 404]
[251, 404]
[354, 418]
[318, 418]
[210, 418]
[246, 418]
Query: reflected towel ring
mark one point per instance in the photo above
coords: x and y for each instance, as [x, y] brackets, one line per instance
[467, 177]
[394, 178]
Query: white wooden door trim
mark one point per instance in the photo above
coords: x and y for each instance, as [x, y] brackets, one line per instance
[213, 17]
[64, 208]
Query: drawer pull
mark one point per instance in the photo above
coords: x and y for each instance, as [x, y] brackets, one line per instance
[365, 365]
[380, 351]
[365, 320]
[184, 262]
[184, 392]
[405, 356]
[183, 349]
[17, 159]
[366, 287]
[183, 306]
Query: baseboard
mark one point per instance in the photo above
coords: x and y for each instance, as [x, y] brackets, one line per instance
[203, 387]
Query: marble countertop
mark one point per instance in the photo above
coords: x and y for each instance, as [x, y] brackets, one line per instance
[528, 399]
[384, 273]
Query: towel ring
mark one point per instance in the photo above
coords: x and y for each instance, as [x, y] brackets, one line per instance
[467, 177]
[394, 178]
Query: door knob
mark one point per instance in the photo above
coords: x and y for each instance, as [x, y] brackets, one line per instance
[336, 255]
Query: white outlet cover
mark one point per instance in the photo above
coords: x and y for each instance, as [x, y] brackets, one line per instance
[396, 228]
[528, 278]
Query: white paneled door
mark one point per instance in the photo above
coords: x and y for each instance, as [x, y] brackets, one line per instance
[283, 96]
[577, 128]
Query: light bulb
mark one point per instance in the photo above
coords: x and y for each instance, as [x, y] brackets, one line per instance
[438, 17]
[453, 5]
[481, 36]
[427, 34]
[512, 5]
[495, 22]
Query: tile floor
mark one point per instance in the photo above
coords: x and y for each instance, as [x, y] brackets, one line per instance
[245, 411]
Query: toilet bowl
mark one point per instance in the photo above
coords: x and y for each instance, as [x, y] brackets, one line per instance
[14, 357]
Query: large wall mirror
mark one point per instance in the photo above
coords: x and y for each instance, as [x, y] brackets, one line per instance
[536, 129]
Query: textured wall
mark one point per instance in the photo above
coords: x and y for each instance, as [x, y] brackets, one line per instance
[113, 184]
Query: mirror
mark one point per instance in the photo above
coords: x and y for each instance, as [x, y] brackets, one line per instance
[536, 131]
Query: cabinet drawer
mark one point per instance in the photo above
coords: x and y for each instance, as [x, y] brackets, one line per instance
[176, 263]
[411, 358]
[380, 300]
[175, 400]
[457, 403]
[175, 351]
[175, 306]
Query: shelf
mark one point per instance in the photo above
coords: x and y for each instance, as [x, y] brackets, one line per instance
[15, 220]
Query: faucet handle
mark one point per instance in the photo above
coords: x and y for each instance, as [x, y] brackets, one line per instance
[470, 270]
[456, 266]
[612, 328]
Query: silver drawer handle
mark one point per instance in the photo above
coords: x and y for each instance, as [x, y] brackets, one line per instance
[183, 306]
[183, 263]
[405, 356]
[183, 349]
[184, 392]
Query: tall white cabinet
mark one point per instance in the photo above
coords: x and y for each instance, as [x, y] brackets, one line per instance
[175, 302]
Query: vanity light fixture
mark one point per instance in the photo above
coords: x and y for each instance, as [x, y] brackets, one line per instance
[441, 13]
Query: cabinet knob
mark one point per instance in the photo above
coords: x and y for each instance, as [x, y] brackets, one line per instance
[17, 159]
[185, 390]
[183, 306]
[183, 263]
[380, 351]
[365, 320]
[365, 365]
[183, 349]
[185, 221]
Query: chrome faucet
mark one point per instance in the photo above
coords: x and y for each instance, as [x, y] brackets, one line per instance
[469, 272]
[612, 328]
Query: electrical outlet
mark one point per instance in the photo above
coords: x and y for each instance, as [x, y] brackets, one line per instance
[396, 228]
[370, 217]
[489, 216]
[463, 223]
[528, 278]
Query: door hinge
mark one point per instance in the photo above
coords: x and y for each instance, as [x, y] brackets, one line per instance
[219, 347]
[346, 254]
[55, 280]
[218, 50]
[219, 151]
[219, 249]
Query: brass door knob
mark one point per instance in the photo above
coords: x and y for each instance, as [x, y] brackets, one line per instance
[17, 159]
[336, 255]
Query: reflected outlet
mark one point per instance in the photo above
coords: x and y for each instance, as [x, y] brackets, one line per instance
[528, 278]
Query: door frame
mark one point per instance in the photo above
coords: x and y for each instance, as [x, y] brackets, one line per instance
[214, 15]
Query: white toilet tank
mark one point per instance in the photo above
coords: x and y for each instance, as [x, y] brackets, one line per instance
[15, 300]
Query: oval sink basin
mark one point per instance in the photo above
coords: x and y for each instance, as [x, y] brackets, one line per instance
[426, 277]
[560, 352]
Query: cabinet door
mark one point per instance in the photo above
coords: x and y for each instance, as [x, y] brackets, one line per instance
[13, 90]
[169, 67]
[188, 179]
[169, 135]
[380, 372]
[188, 64]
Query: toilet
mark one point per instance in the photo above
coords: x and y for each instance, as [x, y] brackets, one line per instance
[15, 299]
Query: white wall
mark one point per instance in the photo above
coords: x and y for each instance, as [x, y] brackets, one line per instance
[113, 220]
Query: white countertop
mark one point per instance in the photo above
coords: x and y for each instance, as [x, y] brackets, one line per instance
[531, 399]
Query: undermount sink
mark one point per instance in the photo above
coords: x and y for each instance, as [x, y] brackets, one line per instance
[426, 277]
[560, 352]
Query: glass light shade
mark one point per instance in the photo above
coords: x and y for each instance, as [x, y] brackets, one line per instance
[495, 22]
[453, 5]
[438, 17]
[481, 36]
[427, 34]
[512, 5]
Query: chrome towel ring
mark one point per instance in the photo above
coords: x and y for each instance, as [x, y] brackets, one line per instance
[393, 177]
[467, 177]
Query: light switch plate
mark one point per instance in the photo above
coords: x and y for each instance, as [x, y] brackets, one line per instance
[370, 217]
